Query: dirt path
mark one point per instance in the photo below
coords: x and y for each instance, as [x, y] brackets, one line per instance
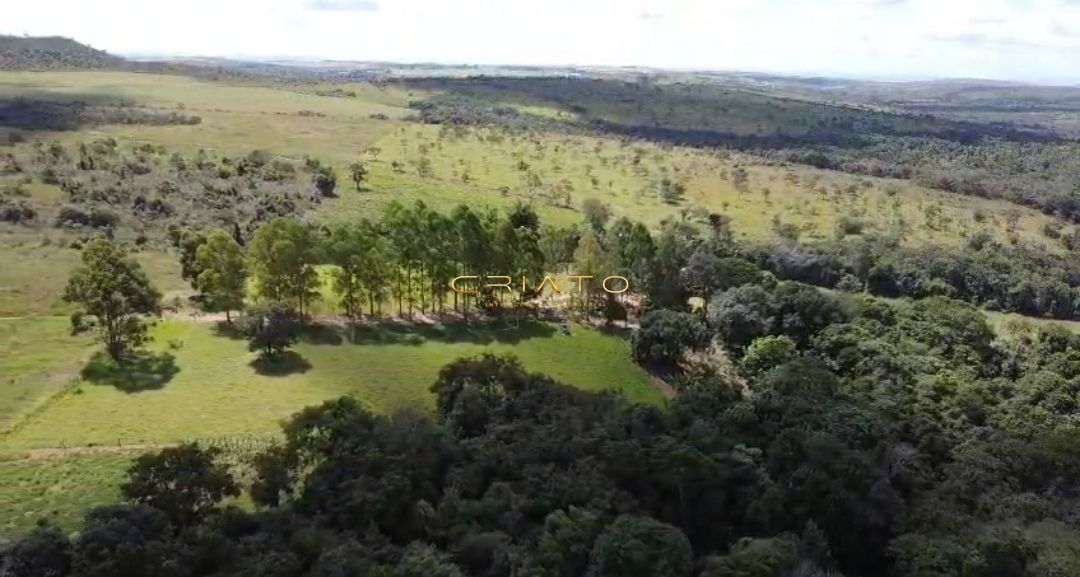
[65, 452]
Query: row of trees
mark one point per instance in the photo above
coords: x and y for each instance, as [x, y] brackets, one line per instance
[410, 255]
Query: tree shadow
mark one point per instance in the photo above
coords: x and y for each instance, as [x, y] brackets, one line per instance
[319, 334]
[34, 111]
[486, 333]
[616, 330]
[280, 365]
[230, 331]
[141, 371]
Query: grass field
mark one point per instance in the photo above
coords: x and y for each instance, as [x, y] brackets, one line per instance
[38, 357]
[204, 386]
[482, 167]
[34, 268]
[58, 489]
[210, 389]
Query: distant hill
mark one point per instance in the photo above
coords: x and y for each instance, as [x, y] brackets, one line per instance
[51, 53]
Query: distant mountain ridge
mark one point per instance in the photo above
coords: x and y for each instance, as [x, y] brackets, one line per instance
[51, 53]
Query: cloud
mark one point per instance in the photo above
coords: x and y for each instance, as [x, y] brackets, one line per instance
[979, 39]
[343, 5]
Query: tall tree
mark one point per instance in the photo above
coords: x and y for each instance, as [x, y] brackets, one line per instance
[475, 246]
[113, 288]
[282, 258]
[590, 261]
[223, 277]
[349, 249]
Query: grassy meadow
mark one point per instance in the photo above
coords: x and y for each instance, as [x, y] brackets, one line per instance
[204, 385]
[57, 488]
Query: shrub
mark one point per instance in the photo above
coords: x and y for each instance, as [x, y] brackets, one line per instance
[664, 336]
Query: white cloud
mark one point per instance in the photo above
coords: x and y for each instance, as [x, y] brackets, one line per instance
[1015, 39]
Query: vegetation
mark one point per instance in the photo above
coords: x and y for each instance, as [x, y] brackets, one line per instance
[114, 290]
[50, 53]
[817, 366]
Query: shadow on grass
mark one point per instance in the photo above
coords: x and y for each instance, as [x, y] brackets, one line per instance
[142, 371]
[615, 330]
[281, 365]
[505, 332]
[317, 334]
[227, 330]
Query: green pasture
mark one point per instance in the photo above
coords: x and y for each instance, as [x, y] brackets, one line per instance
[202, 384]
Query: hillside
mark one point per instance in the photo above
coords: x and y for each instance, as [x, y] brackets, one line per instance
[51, 53]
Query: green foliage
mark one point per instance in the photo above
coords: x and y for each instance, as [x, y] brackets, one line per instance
[596, 214]
[666, 335]
[282, 258]
[222, 276]
[641, 547]
[773, 557]
[271, 328]
[766, 353]
[114, 289]
[325, 180]
[51, 53]
[358, 173]
[183, 482]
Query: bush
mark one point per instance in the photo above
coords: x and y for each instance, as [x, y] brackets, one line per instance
[767, 353]
[665, 335]
[16, 212]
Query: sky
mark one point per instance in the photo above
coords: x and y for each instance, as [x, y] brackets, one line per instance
[1025, 40]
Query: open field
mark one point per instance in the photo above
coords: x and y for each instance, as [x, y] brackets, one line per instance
[203, 386]
[498, 168]
[206, 386]
[38, 357]
[489, 167]
[58, 489]
[35, 269]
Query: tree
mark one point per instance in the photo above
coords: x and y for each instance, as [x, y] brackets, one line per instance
[223, 277]
[184, 482]
[282, 258]
[44, 552]
[596, 214]
[325, 180]
[348, 249]
[270, 328]
[188, 243]
[706, 274]
[113, 288]
[768, 352]
[590, 260]
[423, 561]
[675, 244]
[665, 335]
[635, 546]
[358, 173]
